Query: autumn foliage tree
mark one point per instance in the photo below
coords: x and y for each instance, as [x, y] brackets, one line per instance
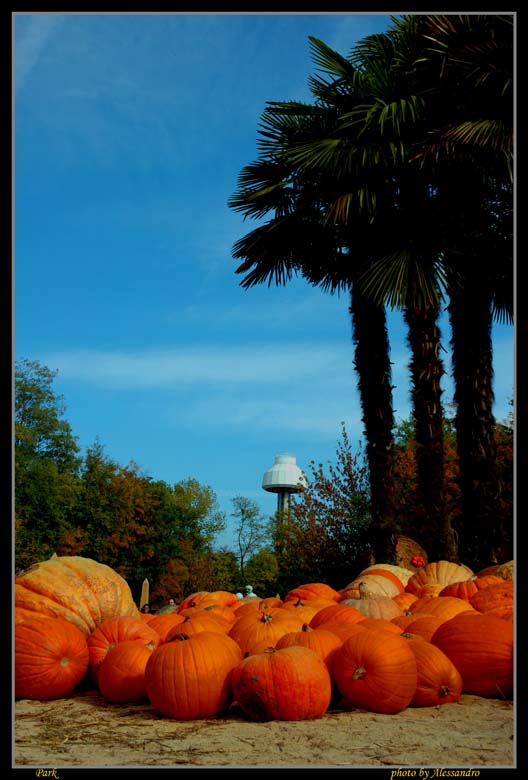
[324, 537]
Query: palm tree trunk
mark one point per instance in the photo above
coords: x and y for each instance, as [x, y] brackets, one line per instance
[373, 367]
[480, 533]
[433, 527]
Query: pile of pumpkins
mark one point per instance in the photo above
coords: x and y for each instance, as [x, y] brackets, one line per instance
[392, 638]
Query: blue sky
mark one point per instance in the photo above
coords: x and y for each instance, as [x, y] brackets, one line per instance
[130, 131]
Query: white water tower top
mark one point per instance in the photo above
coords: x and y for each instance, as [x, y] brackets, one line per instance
[284, 476]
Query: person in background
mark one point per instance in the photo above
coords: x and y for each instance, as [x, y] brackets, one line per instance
[145, 608]
[239, 595]
[249, 592]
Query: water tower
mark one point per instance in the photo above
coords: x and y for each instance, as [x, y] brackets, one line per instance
[284, 477]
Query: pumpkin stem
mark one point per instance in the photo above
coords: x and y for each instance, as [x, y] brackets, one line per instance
[266, 617]
[181, 637]
[359, 673]
[305, 627]
[444, 690]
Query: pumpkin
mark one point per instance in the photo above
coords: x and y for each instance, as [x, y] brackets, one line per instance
[78, 589]
[439, 572]
[438, 679]
[162, 624]
[226, 615]
[121, 677]
[306, 610]
[254, 632]
[467, 588]
[195, 624]
[312, 590]
[373, 673]
[404, 600]
[444, 607]
[380, 607]
[190, 676]
[336, 613]
[380, 624]
[493, 596]
[51, 658]
[403, 574]
[369, 586]
[205, 597]
[424, 626]
[288, 684]
[320, 640]
[113, 631]
[481, 648]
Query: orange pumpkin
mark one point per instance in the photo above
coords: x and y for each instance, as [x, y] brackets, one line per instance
[320, 640]
[438, 681]
[121, 676]
[493, 596]
[78, 589]
[424, 626]
[380, 607]
[205, 597]
[380, 676]
[51, 658]
[254, 632]
[444, 607]
[404, 600]
[312, 590]
[113, 631]
[288, 684]
[481, 648]
[190, 676]
[163, 623]
[336, 613]
[467, 588]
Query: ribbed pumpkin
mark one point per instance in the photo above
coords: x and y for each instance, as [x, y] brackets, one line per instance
[206, 597]
[380, 624]
[336, 613]
[254, 632]
[121, 676]
[379, 607]
[199, 622]
[438, 572]
[305, 609]
[424, 626]
[404, 600]
[312, 590]
[113, 631]
[288, 684]
[467, 588]
[320, 640]
[371, 585]
[190, 676]
[493, 596]
[404, 575]
[162, 624]
[226, 615]
[376, 673]
[78, 589]
[481, 648]
[444, 607]
[438, 681]
[51, 658]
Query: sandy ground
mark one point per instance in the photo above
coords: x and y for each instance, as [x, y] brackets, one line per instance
[83, 730]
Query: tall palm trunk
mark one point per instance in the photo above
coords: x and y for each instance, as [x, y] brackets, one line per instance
[433, 527]
[480, 535]
[372, 364]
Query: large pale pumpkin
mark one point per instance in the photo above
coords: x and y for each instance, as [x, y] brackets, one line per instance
[78, 589]
[51, 658]
[439, 572]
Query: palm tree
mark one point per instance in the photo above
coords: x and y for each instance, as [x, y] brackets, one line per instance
[470, 147]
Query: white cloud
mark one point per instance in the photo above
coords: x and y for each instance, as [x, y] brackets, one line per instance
[37, 32]
[197, 365]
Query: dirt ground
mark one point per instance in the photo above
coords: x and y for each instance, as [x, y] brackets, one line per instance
[83, 730]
